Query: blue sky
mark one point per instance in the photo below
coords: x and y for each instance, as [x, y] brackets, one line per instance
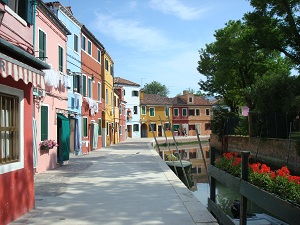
[157, 40]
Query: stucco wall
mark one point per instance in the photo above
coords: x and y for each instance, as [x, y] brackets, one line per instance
[17, 195]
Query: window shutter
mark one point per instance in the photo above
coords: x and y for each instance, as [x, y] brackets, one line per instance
[44, 123]
[5, 1]
[29, 13]
[99, 126]
[84, 85]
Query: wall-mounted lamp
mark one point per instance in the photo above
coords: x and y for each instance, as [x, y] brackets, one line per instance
[2, 12]
[93, 78]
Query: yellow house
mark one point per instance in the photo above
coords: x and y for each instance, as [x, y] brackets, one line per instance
[156, 115]
[108, 116]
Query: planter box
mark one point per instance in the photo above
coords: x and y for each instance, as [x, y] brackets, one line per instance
[284, 210]
[225, 178]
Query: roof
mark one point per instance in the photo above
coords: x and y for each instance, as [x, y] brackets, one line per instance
[119, 80]
[198, 100]
[155, 99]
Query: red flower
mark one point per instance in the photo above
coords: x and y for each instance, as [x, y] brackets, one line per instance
[237, 161]
[283, 172]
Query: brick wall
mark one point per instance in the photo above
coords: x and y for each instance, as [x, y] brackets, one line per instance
[272, 151]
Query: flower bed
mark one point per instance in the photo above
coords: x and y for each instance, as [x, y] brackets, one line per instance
[279, 182]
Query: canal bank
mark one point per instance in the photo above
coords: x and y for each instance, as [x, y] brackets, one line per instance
[127, 183]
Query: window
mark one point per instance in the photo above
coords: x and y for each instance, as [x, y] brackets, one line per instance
[207, 126]
[107, 131]
[84, 127]
[207, 112]
[151, 111]
[135, 93]
[44, 122]
[99, 127]
[143, 110]
[42, 45]
[152, 127]
[76, 83]
[197, 112]
[83, 43]
[99, 92]
[89, 47]
[184, 112]
[84, 85]
[176, 127]
[136, 127]
[106, 96]
[99, 55]
[11, 129]
[120, 130]
[167, 111]
[190, 99]
[90, 86]
[106, 64]
[124, 92]
[111, 70]
[176, 112]
[75, 43]
[135, 109]
[167, 126]
[22, 8]
[191, 112]
[60, 59]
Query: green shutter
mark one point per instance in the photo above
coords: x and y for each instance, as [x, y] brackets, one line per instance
[84, 85]
[85, 127]
[29, 14]
[99, 126]
[44, 123]
[60, 59]
[5, 1]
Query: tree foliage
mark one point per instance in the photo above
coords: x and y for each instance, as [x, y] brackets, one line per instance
[233, 63]
[156, 88]
[276, 24]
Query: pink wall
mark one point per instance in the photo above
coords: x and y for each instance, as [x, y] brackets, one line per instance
[56, 98]
[17, 187]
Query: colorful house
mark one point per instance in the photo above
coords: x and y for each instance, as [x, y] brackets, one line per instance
[73, 58]
[191, 112]
[132, 98]
[156, 115]
[121, 105]
[92, 105]
[108, 94]
[51, 105]
[20, 72]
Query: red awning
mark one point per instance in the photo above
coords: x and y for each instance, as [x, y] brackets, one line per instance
[21, 71]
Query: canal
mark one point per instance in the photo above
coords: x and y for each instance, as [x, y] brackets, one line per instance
[224, 196]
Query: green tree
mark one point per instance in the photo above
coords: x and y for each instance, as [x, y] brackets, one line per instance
[276, 24]
[233, 63]
[156, 88]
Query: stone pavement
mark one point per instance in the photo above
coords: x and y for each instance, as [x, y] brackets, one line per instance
[124, 184]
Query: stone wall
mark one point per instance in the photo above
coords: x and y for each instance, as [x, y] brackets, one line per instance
[270, 151]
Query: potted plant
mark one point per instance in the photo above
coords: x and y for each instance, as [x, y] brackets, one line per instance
[48, 144]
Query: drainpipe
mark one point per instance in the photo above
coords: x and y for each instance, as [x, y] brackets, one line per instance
[33, 2]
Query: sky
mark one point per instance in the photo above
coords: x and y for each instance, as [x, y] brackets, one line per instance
[157, 40]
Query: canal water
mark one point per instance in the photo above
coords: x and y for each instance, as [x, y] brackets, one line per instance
[224, 196]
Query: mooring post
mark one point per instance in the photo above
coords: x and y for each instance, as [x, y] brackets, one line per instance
[243, 206]
[212, 180]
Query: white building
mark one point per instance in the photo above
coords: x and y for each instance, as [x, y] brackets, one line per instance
[132, 99]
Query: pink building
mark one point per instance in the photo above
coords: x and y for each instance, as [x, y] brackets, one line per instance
[20, 72]
[51, 106]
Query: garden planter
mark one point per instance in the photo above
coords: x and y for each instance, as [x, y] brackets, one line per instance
[286, 211]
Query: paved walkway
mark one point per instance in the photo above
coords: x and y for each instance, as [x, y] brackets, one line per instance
[124, 184]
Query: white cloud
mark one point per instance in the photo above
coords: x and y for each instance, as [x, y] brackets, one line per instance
[177, 8]
[131, 33]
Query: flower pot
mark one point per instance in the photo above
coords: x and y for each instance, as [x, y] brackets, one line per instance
[44, 147]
